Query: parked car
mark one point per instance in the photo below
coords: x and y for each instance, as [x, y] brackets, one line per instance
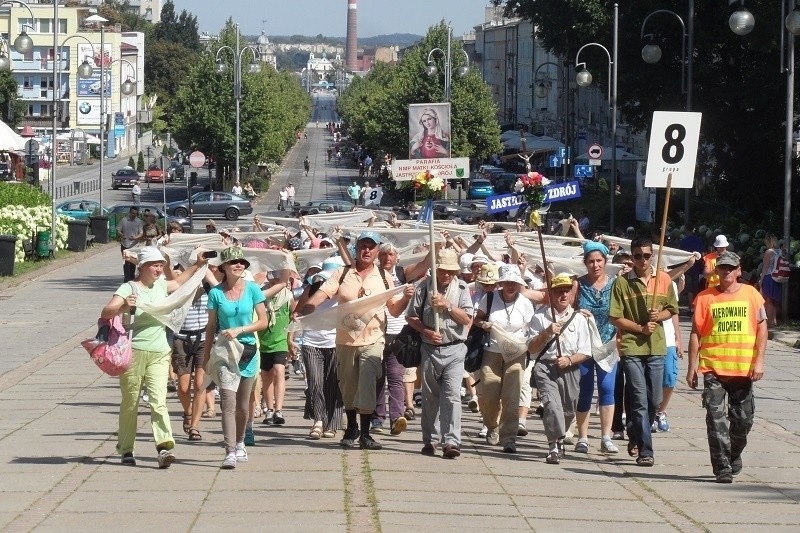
[119, 211]
[124, 177]
[176, 170]
[156, 174]
[5, 171]
[504, 183]
[322, 206]
[480, 189]
[79, 209]
[212, 204]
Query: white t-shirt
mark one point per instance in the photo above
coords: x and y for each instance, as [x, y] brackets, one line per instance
[395, 324]
[128, 229]
[574, 339]
[513, 317]
[237, 190]
[324, 338]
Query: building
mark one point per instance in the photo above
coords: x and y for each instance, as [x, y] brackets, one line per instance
[44, 71]
[266, 51]
[147, 9]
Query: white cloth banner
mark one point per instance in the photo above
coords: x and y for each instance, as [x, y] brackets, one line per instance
[173, 309]
[223, 364]
[604, 354]
[400, 238]
[324, 221]
[351, 316]
[510, 347]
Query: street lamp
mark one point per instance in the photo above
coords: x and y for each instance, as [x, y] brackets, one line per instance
[584, 78]
[432, 70]
[543, 89]
[253, 68]
[651, 53]
[22, 44]
[741, 21]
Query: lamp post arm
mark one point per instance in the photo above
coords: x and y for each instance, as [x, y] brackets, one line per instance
[610, 64]
[684, 39]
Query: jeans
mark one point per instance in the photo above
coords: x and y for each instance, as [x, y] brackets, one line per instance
[393, 380]
[644, 376]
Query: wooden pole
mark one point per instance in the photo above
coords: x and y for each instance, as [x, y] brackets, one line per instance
[429, 212]
[549, 283]
[661, 240]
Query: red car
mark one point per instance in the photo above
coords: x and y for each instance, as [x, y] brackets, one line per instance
[154, 173]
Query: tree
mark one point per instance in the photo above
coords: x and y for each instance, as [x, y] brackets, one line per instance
[737, 85]
[179, 29]
[140, 163]
[375, 108]
[166, 66]
[11, 108]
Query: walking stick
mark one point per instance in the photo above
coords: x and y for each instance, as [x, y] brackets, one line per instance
[549, 282]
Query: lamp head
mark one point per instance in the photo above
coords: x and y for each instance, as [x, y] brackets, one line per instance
[651, 53]
[793, 22]
[127, 87]
[23, 43]
[85, 69]
[463, 70]
[254, 67]
[741, 21]
[431, 69]
[221, 67]
[583, 78]
[542, 90]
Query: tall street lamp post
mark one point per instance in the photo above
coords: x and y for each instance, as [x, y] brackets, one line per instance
[651, 53]
[543, 89]
[432, 70]
[254, 67]
[584, 79]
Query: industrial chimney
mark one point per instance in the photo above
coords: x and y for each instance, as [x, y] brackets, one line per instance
[351, 47]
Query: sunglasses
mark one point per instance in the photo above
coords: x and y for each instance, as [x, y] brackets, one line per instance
[238, 262]
[639, 257]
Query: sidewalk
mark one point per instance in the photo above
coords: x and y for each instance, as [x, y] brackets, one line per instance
[58, 415]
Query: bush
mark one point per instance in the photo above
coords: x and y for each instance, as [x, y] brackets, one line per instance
[140, 163]
[22, 195]
[131, 163]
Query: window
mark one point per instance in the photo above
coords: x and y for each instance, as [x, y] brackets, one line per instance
[45, 25]
[26, 82]
[62, 26]
[29, 111]
[26, 25]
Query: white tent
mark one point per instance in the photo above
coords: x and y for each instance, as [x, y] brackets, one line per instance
[622, 155]
[9, 139]
[532, 143]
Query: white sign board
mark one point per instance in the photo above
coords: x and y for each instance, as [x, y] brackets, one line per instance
[595, 162]
[673, 149]
[446, 168]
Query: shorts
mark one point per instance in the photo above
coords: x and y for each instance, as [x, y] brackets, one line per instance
[670, 368]
[270, 359]
[410, 375]
[187, 354]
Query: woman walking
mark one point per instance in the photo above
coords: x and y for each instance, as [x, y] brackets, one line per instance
[231, 306]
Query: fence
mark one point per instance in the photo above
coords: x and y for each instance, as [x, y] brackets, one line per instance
[76, 188]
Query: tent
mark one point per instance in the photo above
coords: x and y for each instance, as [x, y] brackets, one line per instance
[622, 155]
[533, 143]
[10, 140]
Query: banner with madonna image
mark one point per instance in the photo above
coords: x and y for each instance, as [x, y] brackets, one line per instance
[429, 131]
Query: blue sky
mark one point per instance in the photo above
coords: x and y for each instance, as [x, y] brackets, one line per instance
[329, 17]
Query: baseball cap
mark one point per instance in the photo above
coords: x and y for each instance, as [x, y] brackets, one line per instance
[562, 280]
[371, 235]
[729, 259]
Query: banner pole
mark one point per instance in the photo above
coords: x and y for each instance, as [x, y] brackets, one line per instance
[661, 240]
[429, 210]
[549, 282]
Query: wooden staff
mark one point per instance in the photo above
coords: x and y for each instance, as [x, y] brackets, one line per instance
[549, 282]
[429, 211]
[661, 240]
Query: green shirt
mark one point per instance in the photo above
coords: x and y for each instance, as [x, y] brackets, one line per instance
[274, 338]
[630, 299]
[148, 333]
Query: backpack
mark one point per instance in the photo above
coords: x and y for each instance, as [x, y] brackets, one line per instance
[781, 270]
[111, 349]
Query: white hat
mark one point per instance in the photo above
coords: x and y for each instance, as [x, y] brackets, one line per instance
[721, 242]
[465, 261]
[149, 254]
[510, 273]
[479, 258]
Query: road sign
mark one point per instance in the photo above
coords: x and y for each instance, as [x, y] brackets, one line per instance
[595, 151]
[31, 146]
[554, 161]
[197, 159]
[583, 171]
[673, 149]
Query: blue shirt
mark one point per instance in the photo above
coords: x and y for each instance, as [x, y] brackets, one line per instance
[597, 301]
[238, 314]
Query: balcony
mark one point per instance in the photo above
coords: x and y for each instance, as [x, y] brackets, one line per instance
[39, 65]
[44, 121]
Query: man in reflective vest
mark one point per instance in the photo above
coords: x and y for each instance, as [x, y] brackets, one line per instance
[729, 336]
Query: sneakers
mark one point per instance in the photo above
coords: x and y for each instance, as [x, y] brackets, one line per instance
[229, 463]
[521, 430]
[128, 459]
[368, 443]
[277, 418]
[165, 459]
[399, 425]
[267, 417]
[618, 435]
[510, 447]
[582, 446]
[417, 398]
[463, 392]
[145, 396]
[409, 413]
[661, 422]
[376, 426]
[606, 446]
[493, 437]
[349, 439]
[450, 451]
[736, 466]
[553, 457]
[654, 427]
[569, 438]
[482, 433]
[241, 453]
[562, 449]
[473, 404]
[726, 476]
[249, 437]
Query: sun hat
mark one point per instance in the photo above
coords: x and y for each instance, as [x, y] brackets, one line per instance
[149, 254]
[294, 244]
[592, 246]
[371, 235]
[562, 280]
[488, 274]
[465, 261]
[447, 259]
[232, 254]
[729, 259]
[510, 273]
[721, 242]
[479, 258]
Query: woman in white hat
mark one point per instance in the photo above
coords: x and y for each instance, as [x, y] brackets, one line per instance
[151, 353]
[502, 375]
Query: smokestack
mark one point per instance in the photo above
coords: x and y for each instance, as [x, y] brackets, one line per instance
[351, 47]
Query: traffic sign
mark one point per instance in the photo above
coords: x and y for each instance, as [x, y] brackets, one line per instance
[554, 161]
[197, 159]
[583, 171]
[673, 149]
[595, 151]
[31, 146]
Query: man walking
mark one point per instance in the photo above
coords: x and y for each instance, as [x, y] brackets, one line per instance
[130, 230]
[290, 195]
[727, 344]
[642, 342]
[306, 165]
[354, 192]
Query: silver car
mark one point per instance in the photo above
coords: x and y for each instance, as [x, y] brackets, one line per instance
[212, 204]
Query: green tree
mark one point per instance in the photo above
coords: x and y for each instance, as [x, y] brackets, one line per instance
[131, 163]
[179, 29]
[737, 84]
[11, 108]
[375, 108]
[140, 162]
[166, 66]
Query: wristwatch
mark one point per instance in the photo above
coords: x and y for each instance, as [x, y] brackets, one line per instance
[449, 308]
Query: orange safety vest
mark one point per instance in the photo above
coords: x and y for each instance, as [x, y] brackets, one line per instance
[727, 325]
[710, 262]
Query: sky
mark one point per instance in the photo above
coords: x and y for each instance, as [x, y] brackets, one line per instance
[329, 17]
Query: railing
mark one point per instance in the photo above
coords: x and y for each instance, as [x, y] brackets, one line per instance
[76, 188]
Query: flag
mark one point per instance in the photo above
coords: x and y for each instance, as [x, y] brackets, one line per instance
[425, 215]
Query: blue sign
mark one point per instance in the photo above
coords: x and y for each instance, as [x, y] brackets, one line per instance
[119, 125]
[504, 202]
[564, 153]
[554, 161]
[583, 171]
[558, 192]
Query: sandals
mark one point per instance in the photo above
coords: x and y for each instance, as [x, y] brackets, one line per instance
[187, 423]
[316, 432]
[211, 413]
[645, 461]
[194, 433]
[633, 448]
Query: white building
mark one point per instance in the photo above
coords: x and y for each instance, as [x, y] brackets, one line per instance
[147, 9]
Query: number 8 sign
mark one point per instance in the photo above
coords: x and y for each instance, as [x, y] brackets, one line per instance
[673, 149]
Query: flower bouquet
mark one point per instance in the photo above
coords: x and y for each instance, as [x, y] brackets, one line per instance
[428, 184]
[531, 186]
